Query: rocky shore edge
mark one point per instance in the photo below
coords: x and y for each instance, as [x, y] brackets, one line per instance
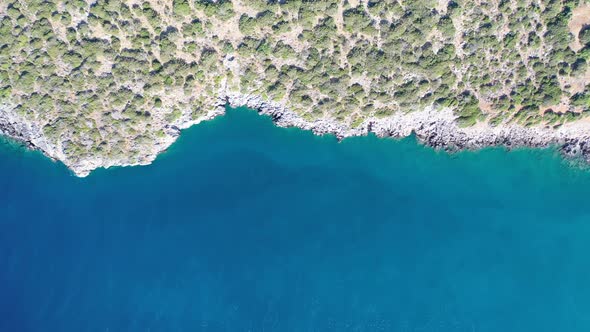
[436, 128]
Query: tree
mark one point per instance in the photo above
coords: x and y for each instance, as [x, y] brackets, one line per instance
[181, 7]
[584, 35]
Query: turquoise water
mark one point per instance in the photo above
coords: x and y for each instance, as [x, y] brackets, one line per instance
[242, 226]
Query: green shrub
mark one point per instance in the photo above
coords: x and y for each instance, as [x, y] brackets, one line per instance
[584, 35]
[181, 7]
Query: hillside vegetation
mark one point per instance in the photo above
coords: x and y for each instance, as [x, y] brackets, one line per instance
[105, 78]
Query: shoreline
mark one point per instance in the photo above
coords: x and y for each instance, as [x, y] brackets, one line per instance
[436, 128]
[432, 127]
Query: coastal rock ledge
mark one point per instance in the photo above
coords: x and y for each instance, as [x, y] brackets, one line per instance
[434, 127]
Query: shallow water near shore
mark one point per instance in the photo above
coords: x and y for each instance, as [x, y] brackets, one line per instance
[243, 226]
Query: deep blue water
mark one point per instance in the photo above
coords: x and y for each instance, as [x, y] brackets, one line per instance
[242, 226]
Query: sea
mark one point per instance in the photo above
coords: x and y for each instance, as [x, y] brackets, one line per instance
[244, 226]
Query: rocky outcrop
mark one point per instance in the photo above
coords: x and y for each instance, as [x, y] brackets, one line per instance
[434, 127]
[29, 132]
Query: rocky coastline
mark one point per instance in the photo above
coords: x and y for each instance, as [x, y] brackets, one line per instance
[436, 128]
